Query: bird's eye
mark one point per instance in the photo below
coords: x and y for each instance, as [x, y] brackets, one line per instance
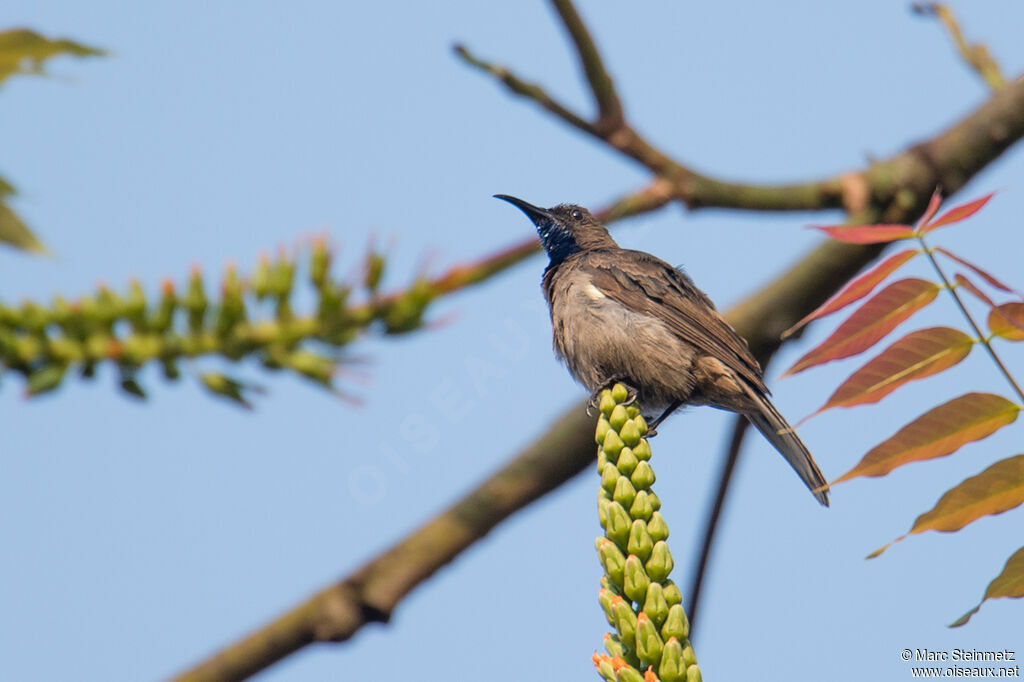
[576, 215]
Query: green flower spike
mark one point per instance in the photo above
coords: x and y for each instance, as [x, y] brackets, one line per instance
[651, 638]
[245, 318]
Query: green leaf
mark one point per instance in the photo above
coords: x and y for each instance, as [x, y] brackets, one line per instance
[14, 232]
[23, 51]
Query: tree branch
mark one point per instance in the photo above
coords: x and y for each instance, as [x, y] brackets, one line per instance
[976, 56]
[567, 448]
[896, 190]
[608, 105]
[732, 456]
[372, 592]
[948, 160]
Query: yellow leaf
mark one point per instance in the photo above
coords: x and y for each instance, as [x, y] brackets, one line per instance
[938, 432]
[1009, 583]
[995, 490]
[1007, 321]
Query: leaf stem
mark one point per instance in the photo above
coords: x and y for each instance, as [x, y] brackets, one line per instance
[970, 320]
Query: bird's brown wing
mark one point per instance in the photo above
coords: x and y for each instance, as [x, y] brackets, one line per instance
[647, 284]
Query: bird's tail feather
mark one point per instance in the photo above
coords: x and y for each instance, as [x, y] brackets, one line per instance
[780, 434]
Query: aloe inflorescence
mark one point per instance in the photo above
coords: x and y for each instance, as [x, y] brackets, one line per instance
[651, 637]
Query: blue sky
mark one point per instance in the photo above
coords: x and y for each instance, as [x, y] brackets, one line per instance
[140, 537]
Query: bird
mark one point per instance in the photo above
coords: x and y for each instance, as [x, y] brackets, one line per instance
[620, 315]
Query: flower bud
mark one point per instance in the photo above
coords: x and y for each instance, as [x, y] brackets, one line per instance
[654, 604]
[609, 476]
[612, 444]
[629, 675]
[672, 668]
[648, 641]
[618, 528]
[635, 580]
[603, 427]
[618, 417]
[660, 563]
[602, 507]
[676, 624]
[640, 542]
[607, 403]
[620, 393]
[643, 476]
[624, 492]
[614, 647]
[626, 462]
[656, 525]
[629, 432]
[604, 667]
[612, 560]
[604, 598]
[625, 621]
[641, 507]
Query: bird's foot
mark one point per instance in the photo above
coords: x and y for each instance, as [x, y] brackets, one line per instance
[595, 399]
[652, 428]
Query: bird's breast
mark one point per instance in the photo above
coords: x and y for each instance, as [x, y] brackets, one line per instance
[602, 340]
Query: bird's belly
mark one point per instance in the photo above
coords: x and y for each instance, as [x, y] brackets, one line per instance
[601, 340]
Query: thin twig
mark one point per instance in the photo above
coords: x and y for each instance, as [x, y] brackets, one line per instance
[732, 455]
[976, 56]
[982, 337]
[525, 89]
[608, 105]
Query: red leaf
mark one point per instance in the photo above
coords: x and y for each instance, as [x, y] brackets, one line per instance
[939, 432]
[915, 356]
[866, 234]
[871, 322]
[978, 271]
[857, 288]
[961, 280]
[1009, 583]
[957, 213]
[1007, 321]
[933, 206]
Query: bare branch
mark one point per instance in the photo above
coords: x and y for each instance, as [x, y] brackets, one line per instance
[567, 448]
[896, 190]
[732, 455]
[947, 160]
[371, 593]
[608, 104]
[648, 199]
[525, 89]
[976, 56]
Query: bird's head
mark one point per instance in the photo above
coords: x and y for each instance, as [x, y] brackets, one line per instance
[564, 229]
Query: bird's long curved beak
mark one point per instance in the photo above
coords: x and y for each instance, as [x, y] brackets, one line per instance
[535, 213]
